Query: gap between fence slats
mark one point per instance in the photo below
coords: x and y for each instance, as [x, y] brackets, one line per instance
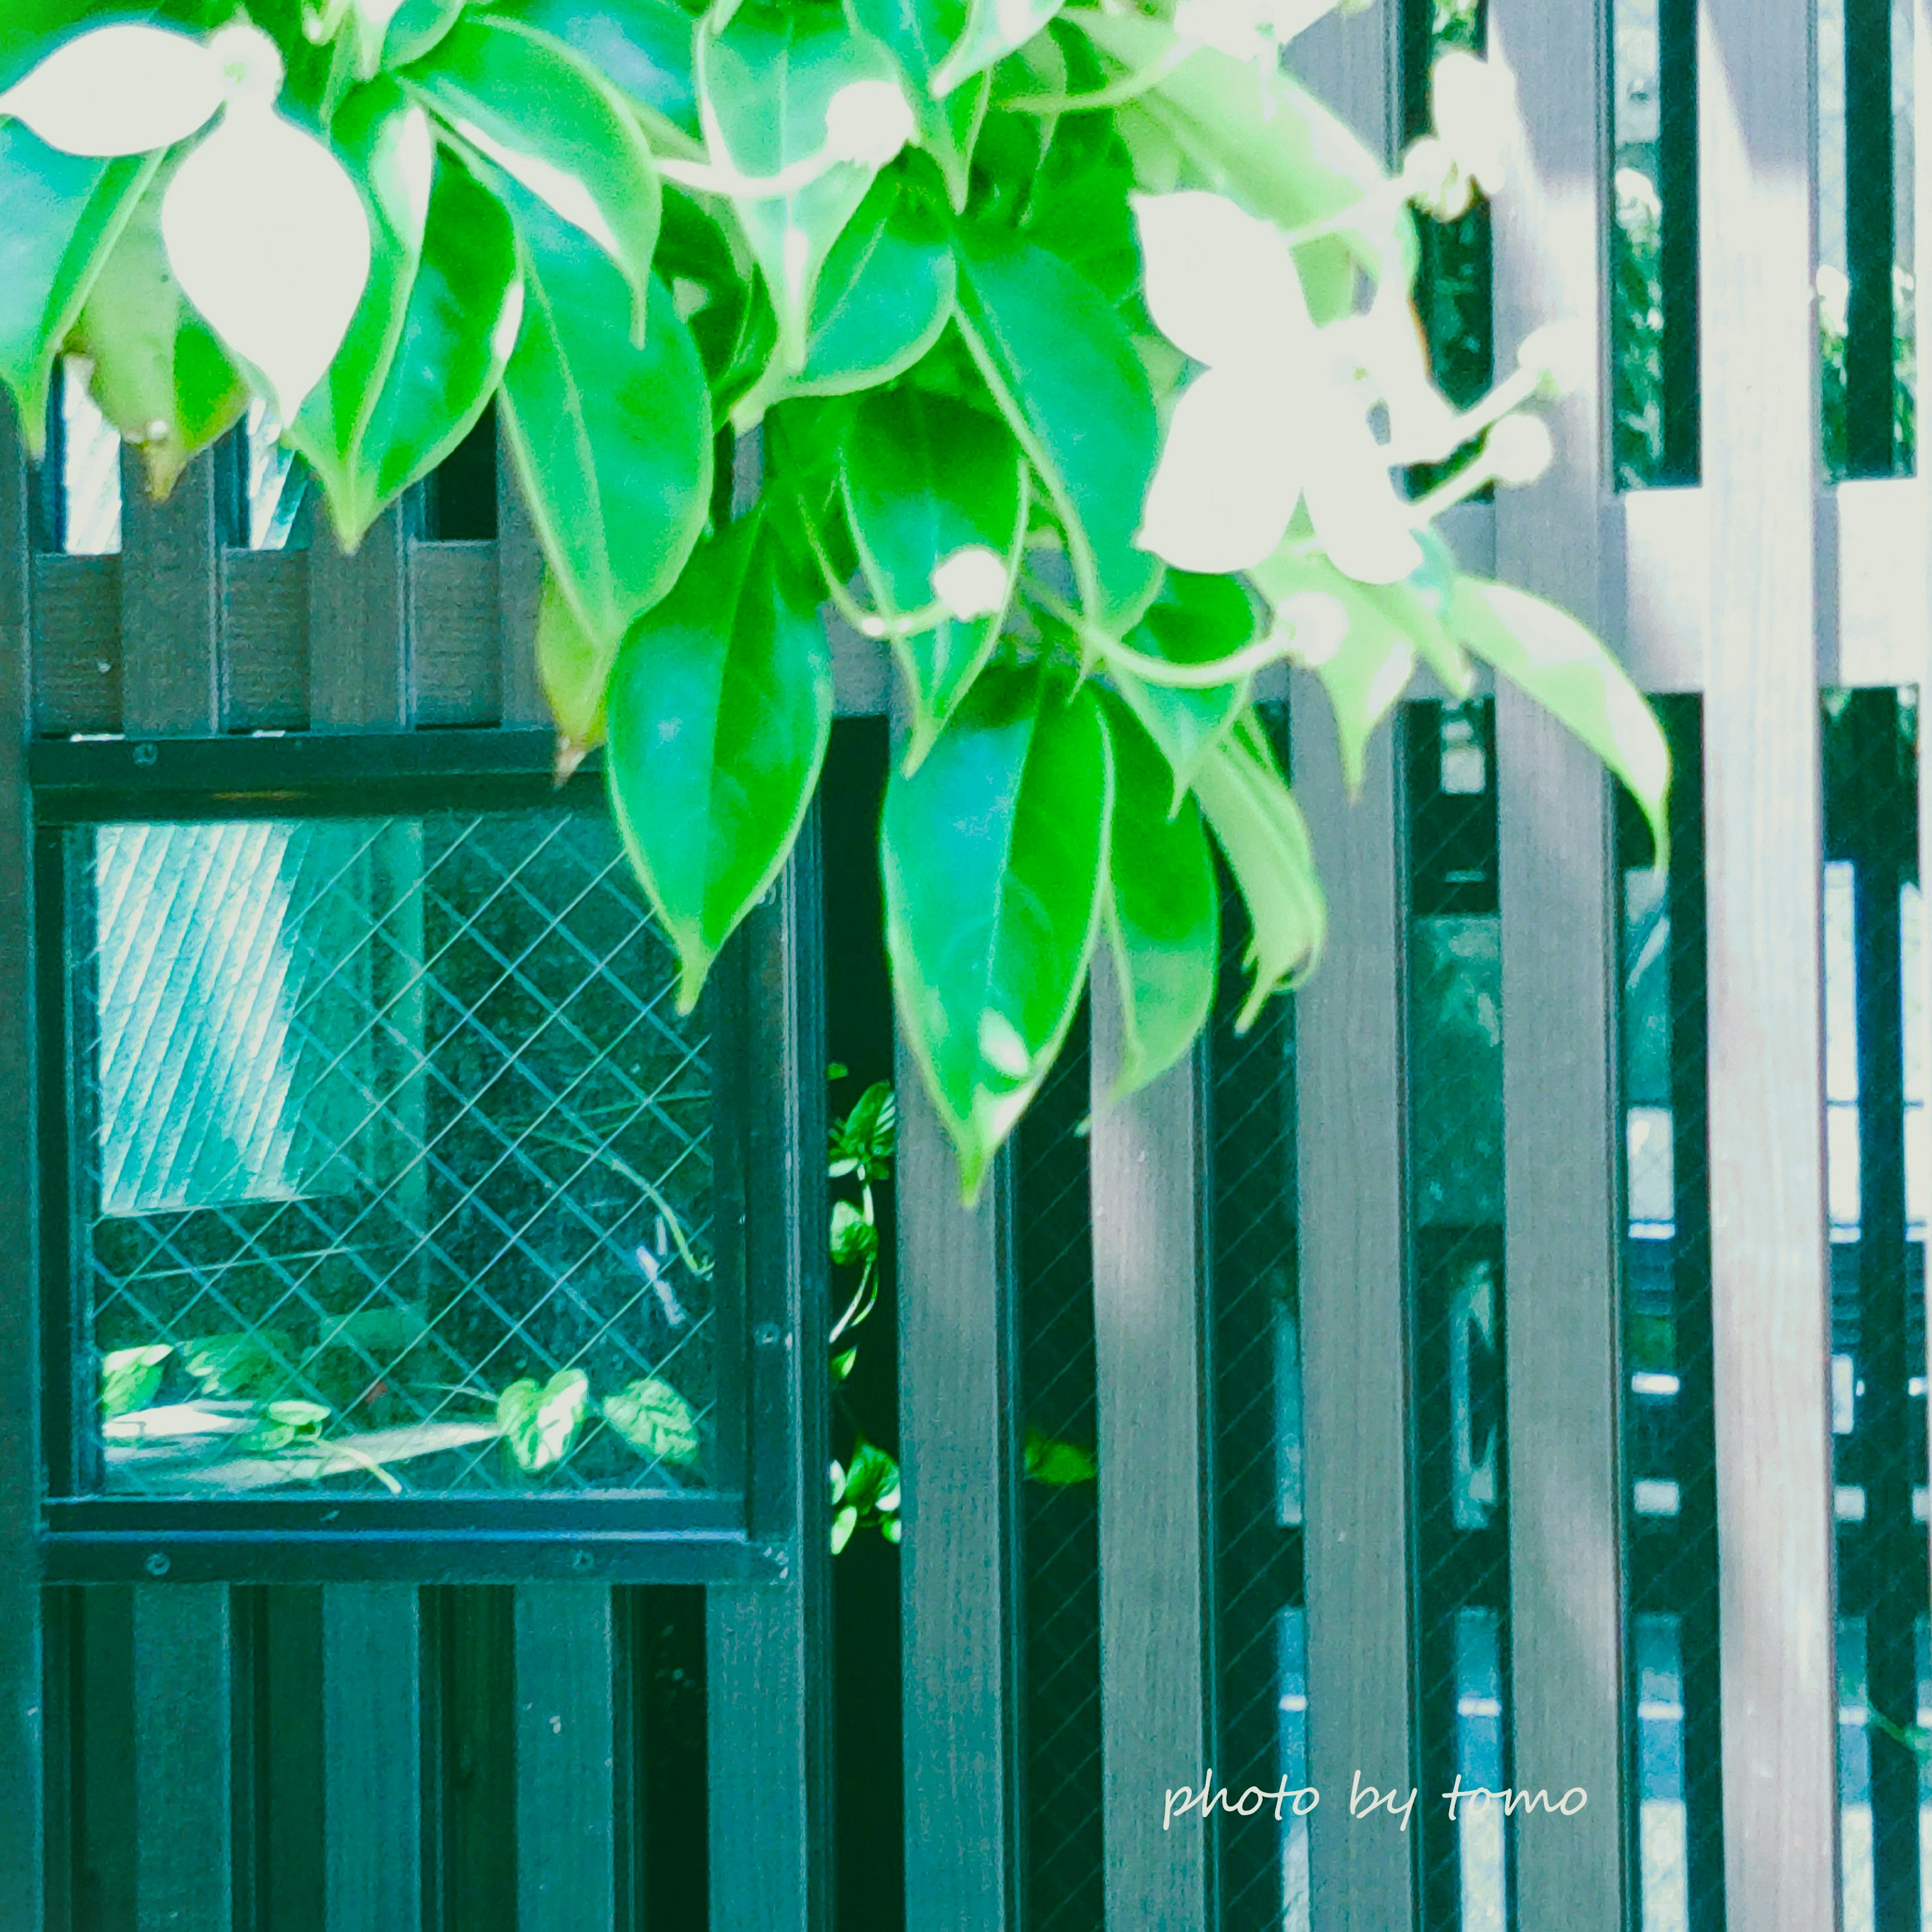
[1770, 1320]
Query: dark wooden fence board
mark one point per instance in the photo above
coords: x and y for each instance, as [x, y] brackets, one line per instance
[76, 644]
[567, 1798]
[457, 657]
[519, 576]
[170, 604]
[1558, 904]
[372, 1746]
[958, 1565]
[265, 641]
[22, 1694]
[1146, 1160]
[1770, 1312]
[182, 1742]
[358, 613]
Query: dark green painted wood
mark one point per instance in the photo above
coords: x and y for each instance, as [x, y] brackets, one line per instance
[767, 1678]
[566, 1758]
[183, 1740]
[471, 1861]
[170, 604]
[357, 620]
[21, 1687]
[372, 1755]
[290, 1761]
[103, 1805]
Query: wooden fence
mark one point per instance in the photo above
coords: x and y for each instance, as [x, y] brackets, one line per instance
[221, 1734]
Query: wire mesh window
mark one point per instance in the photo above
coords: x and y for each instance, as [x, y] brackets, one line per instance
[1671, 1686]
[1456, 1049]
[393, 1166]
[1876, 1071]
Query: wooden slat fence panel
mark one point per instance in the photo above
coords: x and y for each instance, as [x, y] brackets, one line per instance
[1558, 899]
[1147, 1153]
[1769, 1280]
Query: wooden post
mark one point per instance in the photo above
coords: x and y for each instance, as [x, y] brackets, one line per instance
[1558, 894]
[1771, 1314]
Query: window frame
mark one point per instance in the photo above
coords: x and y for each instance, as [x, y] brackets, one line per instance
[736, 1533]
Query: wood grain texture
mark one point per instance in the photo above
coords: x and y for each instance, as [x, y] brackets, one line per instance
[1771, 1317]
[566, 1758]
[372, 1745]
[76, 644]
[958, 1565]
[768, 1672]
[265, 641]
[21, 1691]
[358, 630]
[457, 667]
[520, 579]
[1145, 1156]
[1559, 992]
[1352, 1103]
[183, 1750]
[170, 604]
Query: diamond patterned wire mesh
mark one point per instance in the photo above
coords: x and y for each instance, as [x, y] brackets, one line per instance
[1060, 1524]
[1456, 1047]
[1259, 1639]
[375, 1119]
[1876, 1151]
[1668, 1444]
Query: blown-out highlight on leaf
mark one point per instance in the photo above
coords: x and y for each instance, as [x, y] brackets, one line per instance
[1066, 357]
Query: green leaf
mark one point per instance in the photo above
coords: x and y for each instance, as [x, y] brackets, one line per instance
[656, 1421]
[1267, 144]
[863, 1143]
[1371, 635]
[1195, 620]
[872, 1481]
[64, 213]
[1264, 838]
[540, 1424]
[555, 124]
[642, 47]
[920, 34]
[1063, 370]
[416, 27]
[841, 1367]
[1163, 908]
[925, 478]
[884, 294]
[994, 855]
[765, 82]
[1561, 665]
[1060, 1464]
[574, 667]
[891, 1529]
[854, 1239]
[160, 376]
[612, 443]
[993, 29]
[843, 1524]
[129, 1377]
[245, 1364]
[430, 347]
[719, 712]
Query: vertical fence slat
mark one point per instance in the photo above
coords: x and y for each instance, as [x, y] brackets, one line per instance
[170, 604]
[183, 1749]
[1555, 891]
[519, 578]
[357, 627]
[958, 1564]
[20, 1663]
[566, 1751]
[1352, 1103]
[184, 1690]
[372, 1754]
[1146, 1156]
[1769, 1283]
[767, 1676]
